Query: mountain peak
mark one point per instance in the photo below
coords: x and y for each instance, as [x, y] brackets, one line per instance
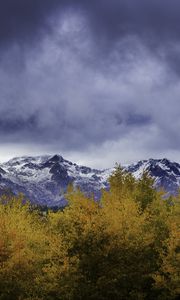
[44, 179]
[56, 158]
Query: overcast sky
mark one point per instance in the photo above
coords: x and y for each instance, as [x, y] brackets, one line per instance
[95, 81]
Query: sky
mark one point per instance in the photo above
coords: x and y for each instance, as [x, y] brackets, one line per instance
[95, 81]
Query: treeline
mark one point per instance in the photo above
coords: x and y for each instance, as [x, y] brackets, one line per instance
[125, 247]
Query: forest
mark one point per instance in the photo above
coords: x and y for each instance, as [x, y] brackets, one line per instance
[126, 246]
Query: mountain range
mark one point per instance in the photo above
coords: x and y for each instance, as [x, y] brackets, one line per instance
[44, 179]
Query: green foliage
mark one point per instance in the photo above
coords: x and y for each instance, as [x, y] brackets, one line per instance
[145, 193]
[124, 247]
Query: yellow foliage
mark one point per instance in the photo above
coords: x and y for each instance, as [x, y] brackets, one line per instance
[124, 247]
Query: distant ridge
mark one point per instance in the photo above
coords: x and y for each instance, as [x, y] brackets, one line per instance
[44, 179]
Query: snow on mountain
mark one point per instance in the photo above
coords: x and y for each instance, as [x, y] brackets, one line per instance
[165, 173]
[44, 179]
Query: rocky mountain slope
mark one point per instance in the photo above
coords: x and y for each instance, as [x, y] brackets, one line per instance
[44, 179]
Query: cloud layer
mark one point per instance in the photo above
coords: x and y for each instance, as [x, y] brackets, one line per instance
[95, 80]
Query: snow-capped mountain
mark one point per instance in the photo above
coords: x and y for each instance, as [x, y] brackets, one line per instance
[44, 179]
[165, 173]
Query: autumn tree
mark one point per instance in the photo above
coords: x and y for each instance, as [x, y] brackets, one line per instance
[124, 247]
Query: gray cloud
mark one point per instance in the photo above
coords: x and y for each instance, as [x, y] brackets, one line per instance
[116, 16]
[89, 77]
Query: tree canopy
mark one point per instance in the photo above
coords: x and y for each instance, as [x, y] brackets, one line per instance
[124, 247]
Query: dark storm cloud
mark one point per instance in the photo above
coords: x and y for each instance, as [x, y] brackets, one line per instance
[22, 21]
[156, 24]
[102, 74]
[151, 20]
[154, 21]
[11, 126]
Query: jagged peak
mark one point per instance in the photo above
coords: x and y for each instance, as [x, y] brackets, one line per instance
[56, 158]
[27, 158]
[44, 177]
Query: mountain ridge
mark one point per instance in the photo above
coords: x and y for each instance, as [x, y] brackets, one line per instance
[44, 179]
